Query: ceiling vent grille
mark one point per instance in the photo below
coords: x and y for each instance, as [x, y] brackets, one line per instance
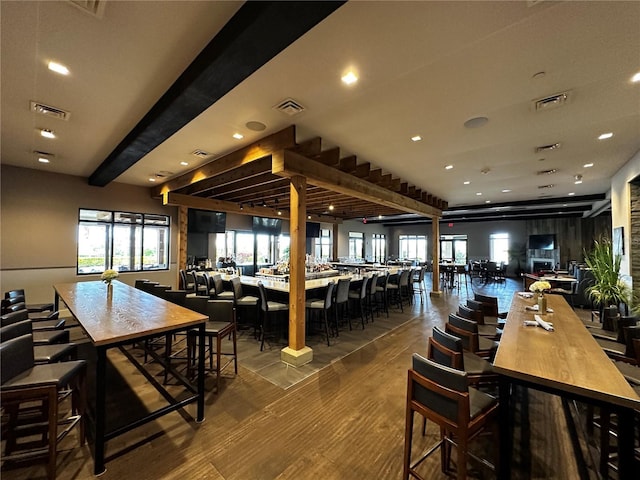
[200, 153]
[94, 7]
[542, 187]
[550, 171]
[49, 111]
[289, 107]
[551, 102]
[547, 148]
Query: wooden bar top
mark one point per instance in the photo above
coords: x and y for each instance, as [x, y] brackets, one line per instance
[566, 359]
[129, 313]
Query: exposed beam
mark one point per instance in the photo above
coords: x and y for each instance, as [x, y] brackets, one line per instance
[289, 164]
[285, 138]
[189, 201]
[257, 33]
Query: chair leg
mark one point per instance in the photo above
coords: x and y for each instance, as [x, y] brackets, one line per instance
[53, 432]
[326, 326]
[408, 437]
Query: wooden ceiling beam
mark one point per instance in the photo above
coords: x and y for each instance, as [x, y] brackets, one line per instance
[363, 170]
[348, 164]
[285, 138]
[329, 157]
[244, 172]
[190, 201]
[309, 148]
[286, 163]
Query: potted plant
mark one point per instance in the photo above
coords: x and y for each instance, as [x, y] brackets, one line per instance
[607, 289]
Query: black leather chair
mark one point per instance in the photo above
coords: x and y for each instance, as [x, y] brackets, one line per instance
[31, 396]
[322, 305]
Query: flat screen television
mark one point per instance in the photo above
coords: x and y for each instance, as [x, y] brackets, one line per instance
[206, 221]
[542, 242]
[268, 226]
[313, 230]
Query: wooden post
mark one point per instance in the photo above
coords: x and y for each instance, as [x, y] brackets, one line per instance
[435, 253]
[334, 253]
[297, 353]
[183, 218]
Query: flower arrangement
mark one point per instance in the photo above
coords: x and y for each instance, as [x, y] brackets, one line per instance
[540, 286]
[108, 275]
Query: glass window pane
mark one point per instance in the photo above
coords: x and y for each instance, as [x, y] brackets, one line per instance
[244, 248]
[93, 247]
[155, 248]
[127, 247]
[95, 215]
[263, 249]
[126, 217]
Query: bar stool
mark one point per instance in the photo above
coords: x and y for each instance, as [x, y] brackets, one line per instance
[317, 305]
[269, 308]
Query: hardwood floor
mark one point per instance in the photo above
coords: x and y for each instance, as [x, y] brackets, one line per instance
[343, 421]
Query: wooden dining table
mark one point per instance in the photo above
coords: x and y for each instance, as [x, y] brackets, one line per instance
[119, 318]
[567, 362]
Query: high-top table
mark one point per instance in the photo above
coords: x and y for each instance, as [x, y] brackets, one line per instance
[122, 317]
[566, 362]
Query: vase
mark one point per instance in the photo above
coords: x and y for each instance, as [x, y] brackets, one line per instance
[109, 290]
[542, 303]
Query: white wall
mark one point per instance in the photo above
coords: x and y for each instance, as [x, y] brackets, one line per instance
[38, 233]
[620, 206]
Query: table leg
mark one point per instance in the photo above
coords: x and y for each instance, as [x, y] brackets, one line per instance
[101, 369]
[504, 469]
[201, 359]
[56, 301]
[625, 444]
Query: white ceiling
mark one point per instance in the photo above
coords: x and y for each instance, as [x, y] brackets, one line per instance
[424, 67]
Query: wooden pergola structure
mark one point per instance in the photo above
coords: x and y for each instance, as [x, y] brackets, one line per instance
[278, 178]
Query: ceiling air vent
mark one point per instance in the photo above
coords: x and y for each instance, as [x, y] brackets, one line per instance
[94, 7]
[200, 153]
[551, 102]
[547, 148]
[550, 171]
[289, 107]
[541, 187]
[49, 111]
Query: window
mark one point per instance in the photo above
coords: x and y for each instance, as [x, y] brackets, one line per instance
[356, 245]
[412, 247]
[379, 247]
[499, 247]
[453, 248]
[324, 245]
[225, 245]
[123, 241]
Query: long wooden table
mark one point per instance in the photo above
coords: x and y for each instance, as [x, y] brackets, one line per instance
[128, 315]
[566, 362]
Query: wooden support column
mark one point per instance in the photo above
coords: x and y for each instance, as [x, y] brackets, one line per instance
[297, 353]
[435, 253]
[183, 218]
[334, 253]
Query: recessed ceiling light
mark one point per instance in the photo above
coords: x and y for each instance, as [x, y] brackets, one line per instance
[279, 212]
[506, 190]
[571, 194]
[605, 136]
[152, 179]
[578, 182]
[349, 78]
[467, 182]
[43, 160]
[487, 201]
[238, 136]
[476, 122]
[58, 68]
[379, 217]
[448, 167]
[330, 207]
[478, 193]
[636, 78]
[47, 133]
[538, 75]
[588, 165]
[184, 164]
[308, 217]
[416, 138]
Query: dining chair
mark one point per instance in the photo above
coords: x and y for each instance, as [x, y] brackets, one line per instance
[31, 307]
[372, 292]
[359, 298]
[245, 302]
[443, 396]
[31, 397]
[46, 353]
[489, 305]
[417, 280]
[270, 311]
[221, 293]
[43, 336]
[382, 292]
[341, 303]
[467, 330]
[478, 317]
[221, 325]
[315, 306]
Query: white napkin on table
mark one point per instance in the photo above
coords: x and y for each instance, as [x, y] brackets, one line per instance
[543, 324]
[525, 294]
[534, 308]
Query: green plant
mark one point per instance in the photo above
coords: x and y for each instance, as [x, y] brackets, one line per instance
[607, 288]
